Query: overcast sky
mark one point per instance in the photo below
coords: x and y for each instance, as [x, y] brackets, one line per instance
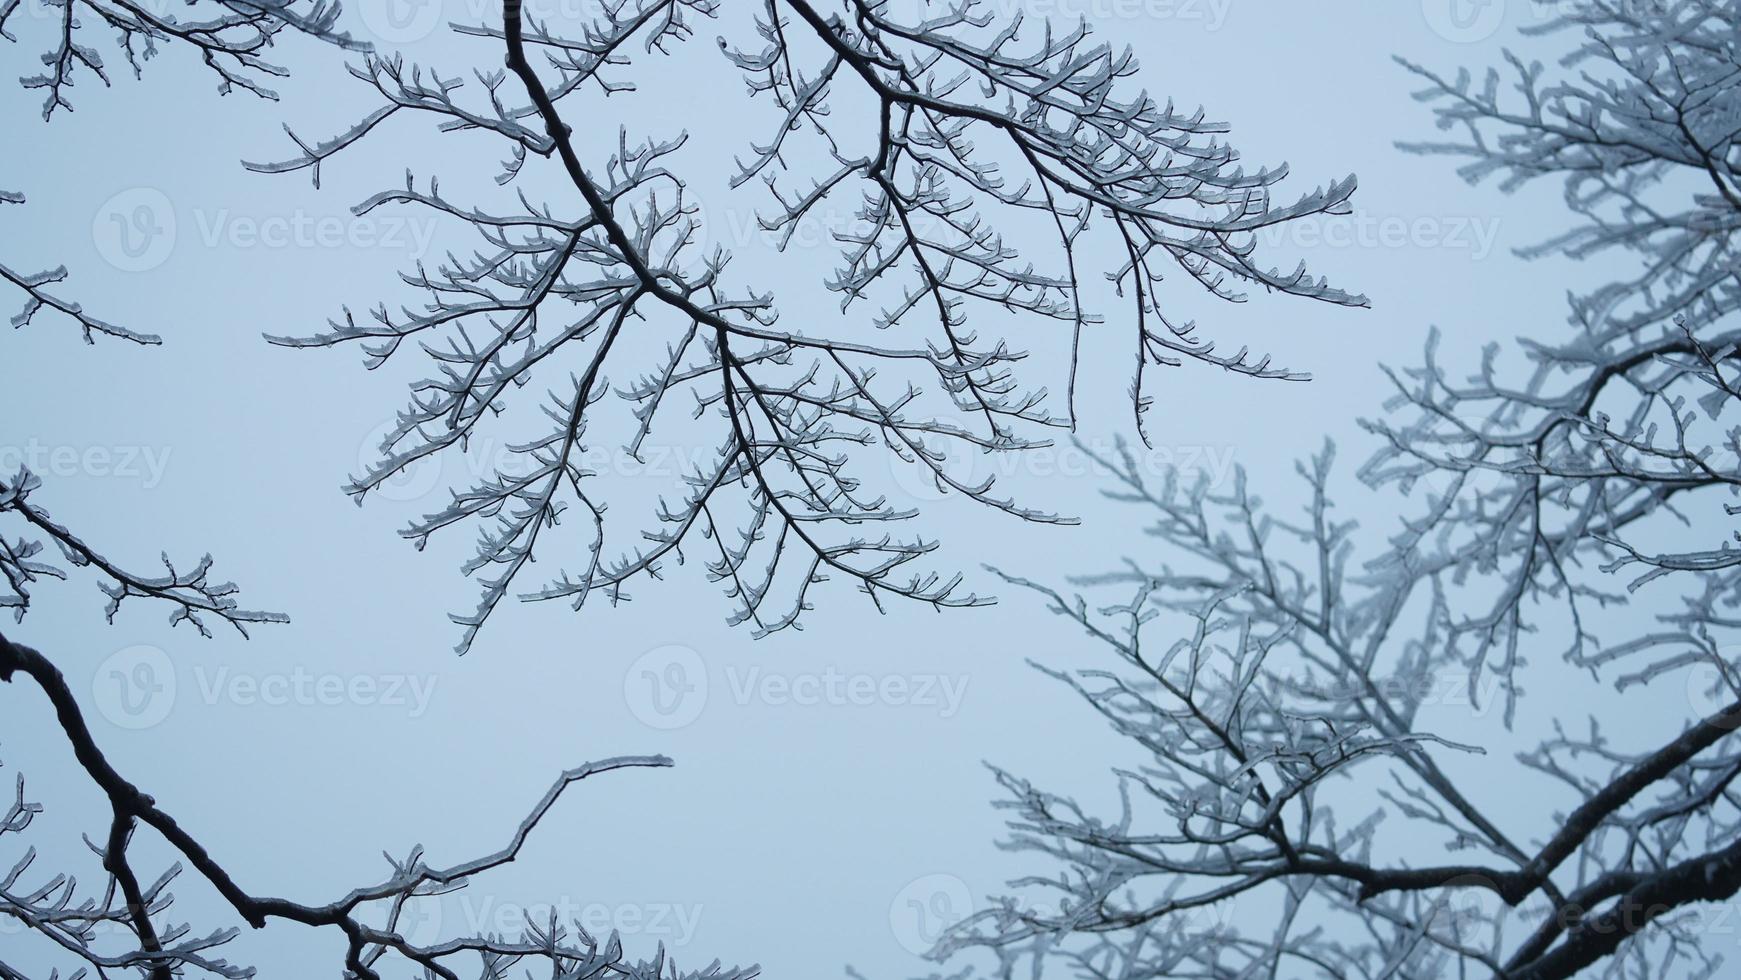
[829, 782]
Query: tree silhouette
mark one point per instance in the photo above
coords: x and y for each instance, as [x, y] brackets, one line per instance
[1551, 506]
[608, 278]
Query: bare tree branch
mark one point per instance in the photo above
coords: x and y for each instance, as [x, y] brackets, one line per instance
[792, 417]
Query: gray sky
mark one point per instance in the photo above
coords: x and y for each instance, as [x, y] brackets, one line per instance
[826, 778]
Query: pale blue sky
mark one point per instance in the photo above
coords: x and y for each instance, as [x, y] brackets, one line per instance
[789, 833]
